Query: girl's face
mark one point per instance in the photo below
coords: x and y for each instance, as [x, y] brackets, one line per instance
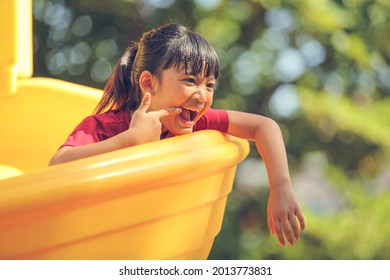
[193, 94]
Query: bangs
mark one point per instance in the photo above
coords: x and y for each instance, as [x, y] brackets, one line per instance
[193, 55]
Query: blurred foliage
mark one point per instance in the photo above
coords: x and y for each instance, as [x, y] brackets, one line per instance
[320, 68]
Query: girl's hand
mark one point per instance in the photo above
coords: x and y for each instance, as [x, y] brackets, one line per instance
[283, 212]
[146, 125]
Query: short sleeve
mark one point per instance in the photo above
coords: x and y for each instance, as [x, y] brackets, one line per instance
[99, 127]
[213, 119]
[85, 133]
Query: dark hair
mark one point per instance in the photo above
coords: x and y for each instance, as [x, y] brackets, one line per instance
[169, 46]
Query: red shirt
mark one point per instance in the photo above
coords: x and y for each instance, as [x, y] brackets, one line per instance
[99, 127]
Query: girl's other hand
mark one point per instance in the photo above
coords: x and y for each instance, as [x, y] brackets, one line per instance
[283, 216]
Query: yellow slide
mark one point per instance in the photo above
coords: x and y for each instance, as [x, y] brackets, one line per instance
[163, 200]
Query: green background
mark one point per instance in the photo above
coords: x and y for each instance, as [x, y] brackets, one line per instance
[319, 68]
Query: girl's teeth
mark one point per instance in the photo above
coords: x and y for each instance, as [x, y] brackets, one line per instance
[188, 114]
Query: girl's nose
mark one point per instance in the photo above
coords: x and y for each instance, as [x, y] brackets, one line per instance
[201, 95]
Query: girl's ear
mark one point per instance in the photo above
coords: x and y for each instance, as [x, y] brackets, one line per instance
[147, 82]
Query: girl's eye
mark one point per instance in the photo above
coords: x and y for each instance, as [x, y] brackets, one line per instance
[190, 80]
[211, 85]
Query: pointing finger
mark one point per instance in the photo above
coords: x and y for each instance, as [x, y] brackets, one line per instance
[166, 112]
[145, 102]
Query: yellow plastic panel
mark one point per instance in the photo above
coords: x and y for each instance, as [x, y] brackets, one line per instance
[8, 47]
[8, 171]
[24, 39]
[37, 119]
[162, 200]
[16, 46]
[153, 201]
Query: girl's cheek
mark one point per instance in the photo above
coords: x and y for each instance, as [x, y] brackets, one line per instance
[210, 100]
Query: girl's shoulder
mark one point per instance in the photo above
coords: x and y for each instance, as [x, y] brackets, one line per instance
[107, 124]
[113, 116]
[213, 119]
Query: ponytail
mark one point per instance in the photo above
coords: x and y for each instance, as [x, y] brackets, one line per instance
[169, 46]
[120, 91]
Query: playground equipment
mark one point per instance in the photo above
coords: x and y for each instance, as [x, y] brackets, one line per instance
[162, 200]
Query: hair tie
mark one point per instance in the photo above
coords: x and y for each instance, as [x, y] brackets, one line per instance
[129, 55]
[133, 54]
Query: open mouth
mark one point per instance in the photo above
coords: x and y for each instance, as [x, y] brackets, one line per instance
[188, 114]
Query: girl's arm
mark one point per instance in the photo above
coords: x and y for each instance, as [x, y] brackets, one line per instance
[69, 153]
[144, 127]
[283, 210]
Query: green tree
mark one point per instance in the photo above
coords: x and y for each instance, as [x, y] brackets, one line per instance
[320, 68]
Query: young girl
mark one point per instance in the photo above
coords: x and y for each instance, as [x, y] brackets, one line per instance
[163, 86]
